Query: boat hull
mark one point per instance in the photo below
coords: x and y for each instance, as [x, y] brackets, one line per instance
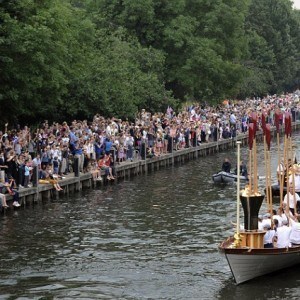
[247, 264]
[224, 177]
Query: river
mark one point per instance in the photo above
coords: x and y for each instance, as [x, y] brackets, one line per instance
[155, 236]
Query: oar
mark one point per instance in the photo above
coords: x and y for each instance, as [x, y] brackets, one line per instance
[268, 174]
[289, 120]
[288, 128]
[250, 143]
[281, 172]
[255, 182]
[238, 189]
[263, 125]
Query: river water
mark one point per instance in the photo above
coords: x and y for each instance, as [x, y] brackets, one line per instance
[155, 236]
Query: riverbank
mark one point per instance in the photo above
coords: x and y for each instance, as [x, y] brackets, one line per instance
[77, 181]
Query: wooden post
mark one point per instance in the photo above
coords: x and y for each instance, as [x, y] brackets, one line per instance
[35, 176]
[76, 167]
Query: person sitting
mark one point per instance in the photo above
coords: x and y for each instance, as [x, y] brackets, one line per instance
[260, 223]
[10, 188]
[48, 177]
[3, 201]
[150, 152]
[276, 224]
[269, 236]
[283, 235]
[277, 217]
[295, 232]
[266, 221]
[226, 166]
[95, 171]
[103, 165]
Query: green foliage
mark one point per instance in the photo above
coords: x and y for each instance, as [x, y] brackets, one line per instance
[74, 58]
[40, 51]
[275, 23]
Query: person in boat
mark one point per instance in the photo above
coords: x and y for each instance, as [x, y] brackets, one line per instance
[295, 232]
[243, 170]
[292, 200]
[280, 171]
[226, 166]
[277, 217]
[266, 221]
[269, 236]
[276, 224]
[283, 235]
[295, 179]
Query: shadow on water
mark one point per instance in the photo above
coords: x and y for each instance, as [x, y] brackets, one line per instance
[283, 284]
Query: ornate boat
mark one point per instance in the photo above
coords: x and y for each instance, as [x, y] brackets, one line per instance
[245, 252]
[248, 262]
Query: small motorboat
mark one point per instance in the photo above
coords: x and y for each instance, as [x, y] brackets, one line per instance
[225, 177]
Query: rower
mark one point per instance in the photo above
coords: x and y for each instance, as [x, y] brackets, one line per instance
[269, 236]
[226, 166]
[266, 220]
[296, 178]
[292, 199]
[283, 235]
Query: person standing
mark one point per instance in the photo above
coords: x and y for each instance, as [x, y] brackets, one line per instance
[291, 199]
[26, 174]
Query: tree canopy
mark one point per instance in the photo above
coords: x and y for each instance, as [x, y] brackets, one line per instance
[74, 58]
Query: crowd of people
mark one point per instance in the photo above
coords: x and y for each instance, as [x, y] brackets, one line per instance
[101, 143]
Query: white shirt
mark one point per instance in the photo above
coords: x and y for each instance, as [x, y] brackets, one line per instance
[265, 222]
[283, 236]
[108, 130]
[291, 199]
[295, 232]
[129, 141]
[232, 119]
[280, 169]
[269, 235]
[279, 218]
[297, 181]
